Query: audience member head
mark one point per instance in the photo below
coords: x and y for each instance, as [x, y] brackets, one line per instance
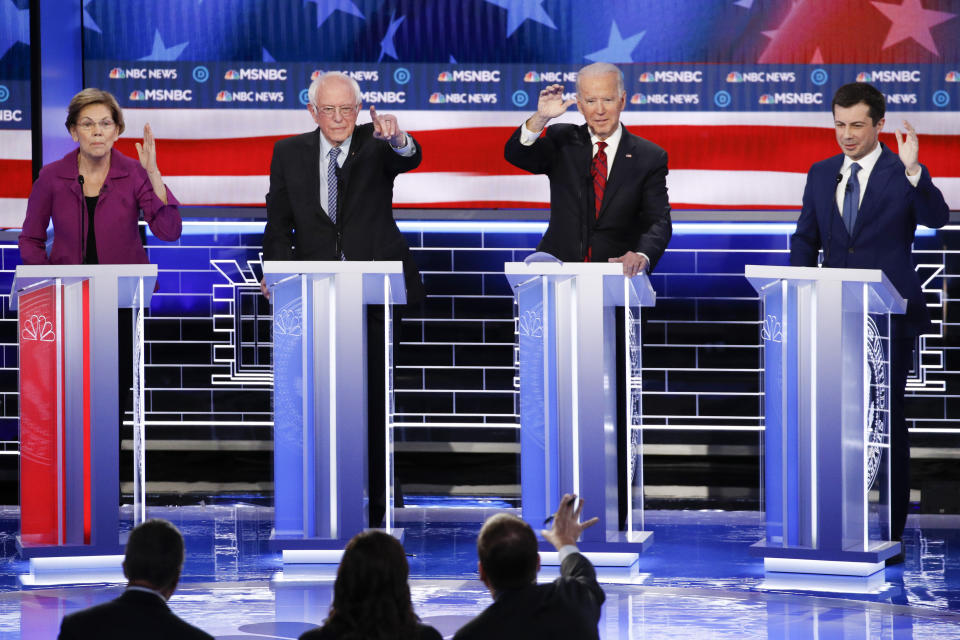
[154, 556]
[856, 92]
[507, 553]
[371, 597]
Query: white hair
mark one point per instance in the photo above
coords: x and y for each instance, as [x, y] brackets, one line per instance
[601, 69]
[333, 75]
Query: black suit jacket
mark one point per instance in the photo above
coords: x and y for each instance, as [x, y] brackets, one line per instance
[299, 229]
[135, 614]
[883, 232]
[635, 213]
[568, 607]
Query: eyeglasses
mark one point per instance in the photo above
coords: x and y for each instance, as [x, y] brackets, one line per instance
[88, 125]
[608, 103]
[345, 110]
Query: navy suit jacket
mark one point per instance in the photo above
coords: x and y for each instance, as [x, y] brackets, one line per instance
[299, 229]
[884, 230]
[135, 614]
[635, 212]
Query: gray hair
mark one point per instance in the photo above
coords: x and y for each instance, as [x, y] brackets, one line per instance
[601, 69]
[327, 77]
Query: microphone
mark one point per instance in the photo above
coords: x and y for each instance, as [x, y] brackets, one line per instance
[839, 178]
[83, 206]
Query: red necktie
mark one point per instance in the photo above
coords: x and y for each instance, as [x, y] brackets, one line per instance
[598, 171]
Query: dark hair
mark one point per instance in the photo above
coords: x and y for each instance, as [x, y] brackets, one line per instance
[371, 597]
[507, 550]
[154, 554]
[91, 96]
[857, 92]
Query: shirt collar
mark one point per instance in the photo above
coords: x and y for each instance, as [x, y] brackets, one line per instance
[325, 147]
[134, 587]
[612, 141]
[866, 163]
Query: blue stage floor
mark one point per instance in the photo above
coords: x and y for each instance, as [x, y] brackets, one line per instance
[698, 580]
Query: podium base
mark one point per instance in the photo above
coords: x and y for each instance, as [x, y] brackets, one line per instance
[64, 570]
[323, 546]
[28, 551]
[819, 561]
[619, 542]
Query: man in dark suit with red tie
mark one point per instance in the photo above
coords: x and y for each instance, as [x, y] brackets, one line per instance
[862, 207]
[608, 192]
[152, 564]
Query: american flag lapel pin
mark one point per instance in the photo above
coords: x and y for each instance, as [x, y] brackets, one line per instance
[629, 155]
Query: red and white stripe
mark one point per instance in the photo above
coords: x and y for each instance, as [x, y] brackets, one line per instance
[736, 160]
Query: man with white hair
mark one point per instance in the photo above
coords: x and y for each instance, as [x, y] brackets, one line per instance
[331, 198]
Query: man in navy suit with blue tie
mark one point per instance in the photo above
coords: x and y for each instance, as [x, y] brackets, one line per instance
[862, 207]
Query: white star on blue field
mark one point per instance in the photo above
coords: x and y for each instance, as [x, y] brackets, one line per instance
[14, 25]
[618, 49]
[326, 7]
[520, 10]
[162, 53]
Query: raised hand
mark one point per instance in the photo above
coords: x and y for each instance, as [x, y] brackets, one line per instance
[148, 151]
[550, 104]
[908, 146]
[566, 523]
[385, 127]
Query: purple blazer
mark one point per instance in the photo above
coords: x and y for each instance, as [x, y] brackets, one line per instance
[125, 192]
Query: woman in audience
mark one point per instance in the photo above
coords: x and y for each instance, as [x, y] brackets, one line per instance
[371, 597]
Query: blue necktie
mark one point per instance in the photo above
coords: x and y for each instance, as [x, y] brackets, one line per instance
[332, 184]
[851, 199]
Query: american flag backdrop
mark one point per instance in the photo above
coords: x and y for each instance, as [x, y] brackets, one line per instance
[737, 91]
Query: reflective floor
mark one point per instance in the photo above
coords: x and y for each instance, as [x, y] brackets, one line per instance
[698, 580]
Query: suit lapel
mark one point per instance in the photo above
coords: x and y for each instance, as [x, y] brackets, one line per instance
[879, 181]
[622, 167]
[312, 166]
[361, 134]
[828, 192]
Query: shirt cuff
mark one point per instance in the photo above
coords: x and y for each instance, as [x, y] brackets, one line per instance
[566, 550]
[646, 267]
[528, 137]
[408, 149]
[914, 179]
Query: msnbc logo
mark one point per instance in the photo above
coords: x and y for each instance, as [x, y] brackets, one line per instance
[231, 74]
[734, 76]
[136, 94]
[646, 76]
[953, 76]
[445, 76]
[117, 74]
[224, 96]
[638, 98]
[436, 98]
[766, 99]
[531, 76]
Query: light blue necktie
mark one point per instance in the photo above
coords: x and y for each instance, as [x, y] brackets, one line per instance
[851, 199]
[332, 184]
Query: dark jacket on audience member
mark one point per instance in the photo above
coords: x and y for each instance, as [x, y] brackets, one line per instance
[568, 607]
[135, 614]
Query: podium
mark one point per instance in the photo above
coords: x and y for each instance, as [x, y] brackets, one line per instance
[566, 334]
[69, 416]
[826, 402]
[320, 397]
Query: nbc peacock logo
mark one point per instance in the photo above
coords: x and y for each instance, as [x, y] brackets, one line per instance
[953, 76]
[863, 76]
[436, 98]
[231, 74]
[638, 98]
[136, 94]
[117, 74]
[445, 76]
[224, 96]
[766, 99]
[734, 76]
[646, 76]
[531, 76]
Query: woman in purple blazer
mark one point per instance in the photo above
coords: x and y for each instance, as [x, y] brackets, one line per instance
[95, 193]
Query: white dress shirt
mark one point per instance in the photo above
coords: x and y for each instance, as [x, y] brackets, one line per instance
[406, 151]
